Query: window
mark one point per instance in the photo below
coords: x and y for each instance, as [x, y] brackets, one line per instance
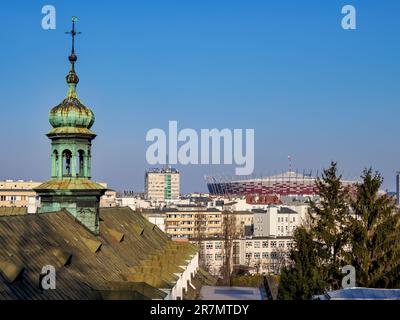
[218, 245]
[218, 257]
[265, 255]
[249, 256]
[249, 244]
[210, 257]
[273, 244]
[2, 198]
[257, 245]
[281, 244]
[257, 256]
[265, 244]
[209, 246]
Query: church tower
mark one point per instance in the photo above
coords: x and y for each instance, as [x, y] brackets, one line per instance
[70, 186]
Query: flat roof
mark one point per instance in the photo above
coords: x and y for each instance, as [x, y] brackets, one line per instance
[361, 294]
[231, 293]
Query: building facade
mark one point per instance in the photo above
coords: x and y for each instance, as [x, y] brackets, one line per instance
[162, 184]
[187, 222]
[259, 255]
[278, 221]
[18, 194]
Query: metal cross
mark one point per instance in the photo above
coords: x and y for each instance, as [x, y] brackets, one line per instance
[73, 33]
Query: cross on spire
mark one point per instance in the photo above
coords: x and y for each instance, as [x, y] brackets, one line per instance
[73, 33]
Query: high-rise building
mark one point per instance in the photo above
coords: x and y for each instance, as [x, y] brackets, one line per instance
[162, 184]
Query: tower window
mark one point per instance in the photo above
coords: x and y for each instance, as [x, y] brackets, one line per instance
[67, 156]
[81, 163]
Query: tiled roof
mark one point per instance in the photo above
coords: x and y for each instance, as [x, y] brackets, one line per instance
[119, 263]
[13, 211]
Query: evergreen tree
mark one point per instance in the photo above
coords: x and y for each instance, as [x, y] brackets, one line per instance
[360, 228]
[375, 230]
[329, 220]
[302, 279]
[320, 247]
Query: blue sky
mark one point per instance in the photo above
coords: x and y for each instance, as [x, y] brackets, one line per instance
[285, 68]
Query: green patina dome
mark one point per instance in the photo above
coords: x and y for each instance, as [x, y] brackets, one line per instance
[71, 113]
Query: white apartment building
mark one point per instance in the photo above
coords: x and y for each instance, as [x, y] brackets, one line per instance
[162, 184]
[262, 255]
[278, 221]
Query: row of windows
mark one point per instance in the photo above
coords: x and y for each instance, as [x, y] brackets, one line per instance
[266, 244]
[249, 256]
[266, 255]
[197, 215]
[280, 219]
[252, 244]
[287, 229]
[12, 198]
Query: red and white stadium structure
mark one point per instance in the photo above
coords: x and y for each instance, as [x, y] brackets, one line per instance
[286, 184]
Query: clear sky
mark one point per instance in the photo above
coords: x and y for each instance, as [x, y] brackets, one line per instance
[285, 68]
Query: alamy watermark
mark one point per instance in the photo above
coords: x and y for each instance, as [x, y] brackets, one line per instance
[47, 280]
[349, 21]
[49, 19]
[187, 146]
[349, 281]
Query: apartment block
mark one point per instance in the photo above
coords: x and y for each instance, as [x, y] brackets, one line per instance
[187, 222]
[263, 255]
[162, 184]
[18, 194]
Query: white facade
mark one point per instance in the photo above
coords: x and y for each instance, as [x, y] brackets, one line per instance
[278, 221]
[185, 278]
[263, 255]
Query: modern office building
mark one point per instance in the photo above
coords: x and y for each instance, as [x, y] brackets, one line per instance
[162, 184]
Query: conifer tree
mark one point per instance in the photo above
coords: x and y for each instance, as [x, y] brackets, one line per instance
[375, 235]
[329, 220]
[303, 278]
[320, 249]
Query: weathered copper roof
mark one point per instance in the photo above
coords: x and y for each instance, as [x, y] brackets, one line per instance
[71, 113]
[137, 266]
[71, 131]
[70, 184]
